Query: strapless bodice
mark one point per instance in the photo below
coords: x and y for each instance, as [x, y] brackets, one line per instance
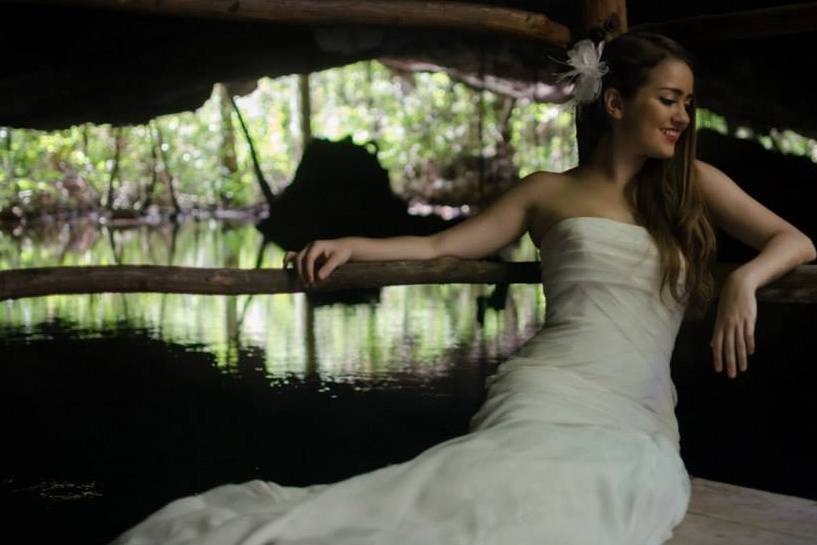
[607, 331]
[596, 269]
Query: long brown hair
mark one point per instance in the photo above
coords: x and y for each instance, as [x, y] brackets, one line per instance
[664, 195]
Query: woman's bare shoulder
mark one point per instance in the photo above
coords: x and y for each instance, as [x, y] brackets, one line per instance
[545, 184]
[546, 193]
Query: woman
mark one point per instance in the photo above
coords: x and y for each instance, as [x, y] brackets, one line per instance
[577, 440]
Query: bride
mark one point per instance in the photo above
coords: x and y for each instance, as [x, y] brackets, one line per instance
[577, 441]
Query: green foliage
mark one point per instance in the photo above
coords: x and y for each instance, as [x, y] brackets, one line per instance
[422, 326]
[417, 120]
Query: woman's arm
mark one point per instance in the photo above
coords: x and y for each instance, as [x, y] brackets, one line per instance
[504, 221]
[781, 247]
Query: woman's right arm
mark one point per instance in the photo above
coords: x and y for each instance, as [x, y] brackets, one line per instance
[504, 221]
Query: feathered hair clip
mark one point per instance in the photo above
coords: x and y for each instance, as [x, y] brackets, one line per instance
[587, 69]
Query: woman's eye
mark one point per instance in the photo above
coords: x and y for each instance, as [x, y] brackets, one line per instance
[667, 101]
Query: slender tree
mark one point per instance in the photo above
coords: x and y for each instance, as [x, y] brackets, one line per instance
[154, 165]
[227, 155]
[259, 175]
[117, 144]
[169, 178]
[306, 110]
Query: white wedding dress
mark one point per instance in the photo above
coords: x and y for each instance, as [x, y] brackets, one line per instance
[576, 443]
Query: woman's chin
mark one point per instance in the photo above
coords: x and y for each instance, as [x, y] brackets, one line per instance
[663, 153]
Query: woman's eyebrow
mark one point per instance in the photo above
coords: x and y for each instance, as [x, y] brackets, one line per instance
[677, 91]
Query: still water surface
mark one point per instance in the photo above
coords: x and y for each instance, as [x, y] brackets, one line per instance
[116, 403]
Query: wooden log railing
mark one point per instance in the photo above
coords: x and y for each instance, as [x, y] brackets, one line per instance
[400, 13]
[798, 286]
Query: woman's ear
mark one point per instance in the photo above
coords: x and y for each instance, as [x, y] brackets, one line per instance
[613, 103]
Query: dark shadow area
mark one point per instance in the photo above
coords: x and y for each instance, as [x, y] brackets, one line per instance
[102, 431]
[785, 184]
[755, 430]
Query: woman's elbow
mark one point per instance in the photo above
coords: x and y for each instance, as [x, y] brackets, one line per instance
[811, 253]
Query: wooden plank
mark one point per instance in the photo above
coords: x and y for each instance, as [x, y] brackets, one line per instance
[392, 13]
[702, 530]
[756, 23]
[721, 514]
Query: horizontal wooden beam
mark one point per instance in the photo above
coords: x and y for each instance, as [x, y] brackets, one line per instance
[756, 23]
[393, 13]
[798, 286]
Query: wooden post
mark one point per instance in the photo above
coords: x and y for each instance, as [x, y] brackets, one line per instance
[610, 15]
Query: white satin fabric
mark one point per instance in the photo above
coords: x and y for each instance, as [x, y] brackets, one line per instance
[576, 443]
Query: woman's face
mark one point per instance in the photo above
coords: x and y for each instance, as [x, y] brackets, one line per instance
[659, 112]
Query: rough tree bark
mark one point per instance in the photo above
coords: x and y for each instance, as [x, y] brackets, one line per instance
[798, 286]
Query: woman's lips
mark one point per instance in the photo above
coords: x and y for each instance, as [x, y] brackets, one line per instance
[672, 137]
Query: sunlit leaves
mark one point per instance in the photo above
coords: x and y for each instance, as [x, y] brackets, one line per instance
[416, 120]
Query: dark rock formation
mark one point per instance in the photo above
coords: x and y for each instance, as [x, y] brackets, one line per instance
[340, 189]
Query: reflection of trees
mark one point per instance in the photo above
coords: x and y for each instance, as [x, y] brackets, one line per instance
[171, 257]
[311, 364]
[370, 339]
[116, 252]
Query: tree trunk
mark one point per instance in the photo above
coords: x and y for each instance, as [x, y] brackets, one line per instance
[117, 138]
[227, 155]
[169, 178]
[306, 110]
[8, 164]
[154, 170]
[259, 175]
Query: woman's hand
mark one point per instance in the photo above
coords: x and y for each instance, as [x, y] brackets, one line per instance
[318, 259]
[734, 335]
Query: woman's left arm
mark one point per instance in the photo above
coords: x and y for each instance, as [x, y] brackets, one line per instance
[781, 247]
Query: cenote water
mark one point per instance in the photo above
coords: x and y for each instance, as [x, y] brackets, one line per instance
[113, 405]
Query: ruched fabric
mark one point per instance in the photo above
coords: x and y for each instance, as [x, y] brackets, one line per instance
[576, 443]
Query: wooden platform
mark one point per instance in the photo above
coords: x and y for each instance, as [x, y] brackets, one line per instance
[725, 514]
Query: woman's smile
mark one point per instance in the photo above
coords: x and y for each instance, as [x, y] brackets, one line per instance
[671, 134]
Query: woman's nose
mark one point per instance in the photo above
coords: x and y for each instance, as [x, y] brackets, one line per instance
[681, 116]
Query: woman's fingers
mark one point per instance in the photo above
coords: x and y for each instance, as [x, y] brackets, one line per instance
[717, 347]
[317, 260]
[309, 263]
[329, 266]
[749, 333]
[731, 348]
[299, 261]
[740, 347]
[729, 351]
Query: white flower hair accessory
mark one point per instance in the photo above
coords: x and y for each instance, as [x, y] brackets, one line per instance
[587, 68]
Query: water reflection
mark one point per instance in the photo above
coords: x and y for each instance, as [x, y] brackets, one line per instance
[114, 404]
[413, 331]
